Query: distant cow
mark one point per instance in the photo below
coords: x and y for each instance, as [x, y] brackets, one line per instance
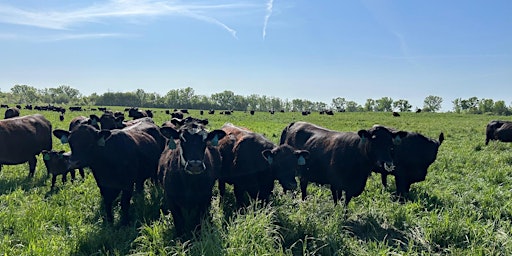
[177, 114]
[57, 163]
[498, 130]
[136, 113]
[396, 114]
[251, 112]
[344, 160]
[252, 163]
[211, 111]
[187, 170]
[411, 157]
[79, 120]
[75, 108]
[23, 138]
[12, 112]
[118, 159]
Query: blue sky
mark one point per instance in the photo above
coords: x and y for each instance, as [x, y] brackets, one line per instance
[315, 50]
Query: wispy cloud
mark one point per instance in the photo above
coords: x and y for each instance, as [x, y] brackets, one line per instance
[270, 6]
[104, 12]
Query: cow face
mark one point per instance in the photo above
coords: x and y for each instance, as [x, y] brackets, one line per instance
[84, 141]
[378, 143]
[284, 162]
[193, 140]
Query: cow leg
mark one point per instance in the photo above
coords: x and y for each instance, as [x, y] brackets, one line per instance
[64, 178]
[348, 197]
[109, 195]
[402, 186]
[178, 218]
[125, 206]
[384, 179]
[73, 176]
[81, 171]
[32, 166]
[239, 196]
[54, 178]
[222, 187]
[303, 188]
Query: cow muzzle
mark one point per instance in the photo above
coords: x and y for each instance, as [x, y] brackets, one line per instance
[389, 166]
[195, 167]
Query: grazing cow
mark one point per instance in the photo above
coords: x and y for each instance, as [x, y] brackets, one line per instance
[177, 114]
[329, 112]
[57, 163]
[211, 111]
[252, 163]
[29, 107]
[344, 160]
[118, 159]
[23, 138]
[201, 112]
[411, 157]
[75, 108]
[396, 114]
[251, 112]
[4, 106]
[418, 110]
[61, 117]
[498, 130]
[12, 112]
[187, 171]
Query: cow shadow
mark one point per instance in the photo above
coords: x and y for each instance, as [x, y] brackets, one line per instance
[22, 182]
[368, 229]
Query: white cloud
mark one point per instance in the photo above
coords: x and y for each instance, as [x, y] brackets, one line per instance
[103, 12]
[270, 6]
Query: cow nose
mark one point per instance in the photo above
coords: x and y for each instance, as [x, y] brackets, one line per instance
[389, 166]
[195, 166]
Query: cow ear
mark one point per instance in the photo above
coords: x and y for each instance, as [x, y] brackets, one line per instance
[268, 155]
[177, 122]
[94, 119]
[364, 135]
[214, 137]
[61, 154]
[170, 133]
[119, 119]
[62, 135]
[397, 137]
[302, 155]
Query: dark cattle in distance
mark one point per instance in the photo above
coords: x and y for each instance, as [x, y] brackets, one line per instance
[498, 130]
[57, 163]
[4, 106]
[23, 138]
[187, 171]
[11, 112]
[201, 112]
[251, 163]
[149, 113]
[184, 111]
[61, 117]
[329, 112]
[136, 113]
[75, 108]
[211, 112]
[418, 110]
[251, 112]
[344, 160]
[396, 114]
[177, 114]
[411, 157]
[118, 159]
[29, 107]
[271, 112]
[18, 106]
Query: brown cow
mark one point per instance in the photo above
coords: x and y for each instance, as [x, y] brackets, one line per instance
[252, 163]
[344, 160]
[23, 138]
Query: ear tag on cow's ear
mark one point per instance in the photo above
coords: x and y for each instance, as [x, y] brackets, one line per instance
[397, 140]
[270, 159]
[61, 155]
[301, 160]
[64, 139]
[94, 122]
[101, 142]
[46, 157]
[215, 141]
[171, 144]
[363, 139]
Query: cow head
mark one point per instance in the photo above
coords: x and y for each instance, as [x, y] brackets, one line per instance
[284, 162]
[84, 141]
[378, 143]
[193, 140]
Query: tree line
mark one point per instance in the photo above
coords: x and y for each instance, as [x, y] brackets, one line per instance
[187, 98]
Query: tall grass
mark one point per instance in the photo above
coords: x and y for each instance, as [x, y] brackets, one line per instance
[463, 207]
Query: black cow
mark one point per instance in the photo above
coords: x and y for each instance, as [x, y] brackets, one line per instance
[118, 159]
[57, 163]
[396, 114]
[344, 160]
[411, 157]
[12, 112]
[80, 120]
[136, 113]
[498, 130]
[252, 163]
[187, 171]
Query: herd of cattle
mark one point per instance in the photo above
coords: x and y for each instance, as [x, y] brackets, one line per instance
[186, 159]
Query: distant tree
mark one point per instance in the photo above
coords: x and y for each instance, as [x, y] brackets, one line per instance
[225, 99]
[501, 109]
[140, 94]
[384, 104]
[369, 105]
[432, 103]
[402, 105]
[352, 106]
[485, 106]
[25, 94]
[339, 103]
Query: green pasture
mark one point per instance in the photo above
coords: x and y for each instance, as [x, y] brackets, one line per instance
[463, 207]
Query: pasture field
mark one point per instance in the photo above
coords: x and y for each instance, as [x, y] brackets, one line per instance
[463, 208]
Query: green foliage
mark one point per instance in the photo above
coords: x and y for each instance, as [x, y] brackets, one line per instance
[463, 207]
